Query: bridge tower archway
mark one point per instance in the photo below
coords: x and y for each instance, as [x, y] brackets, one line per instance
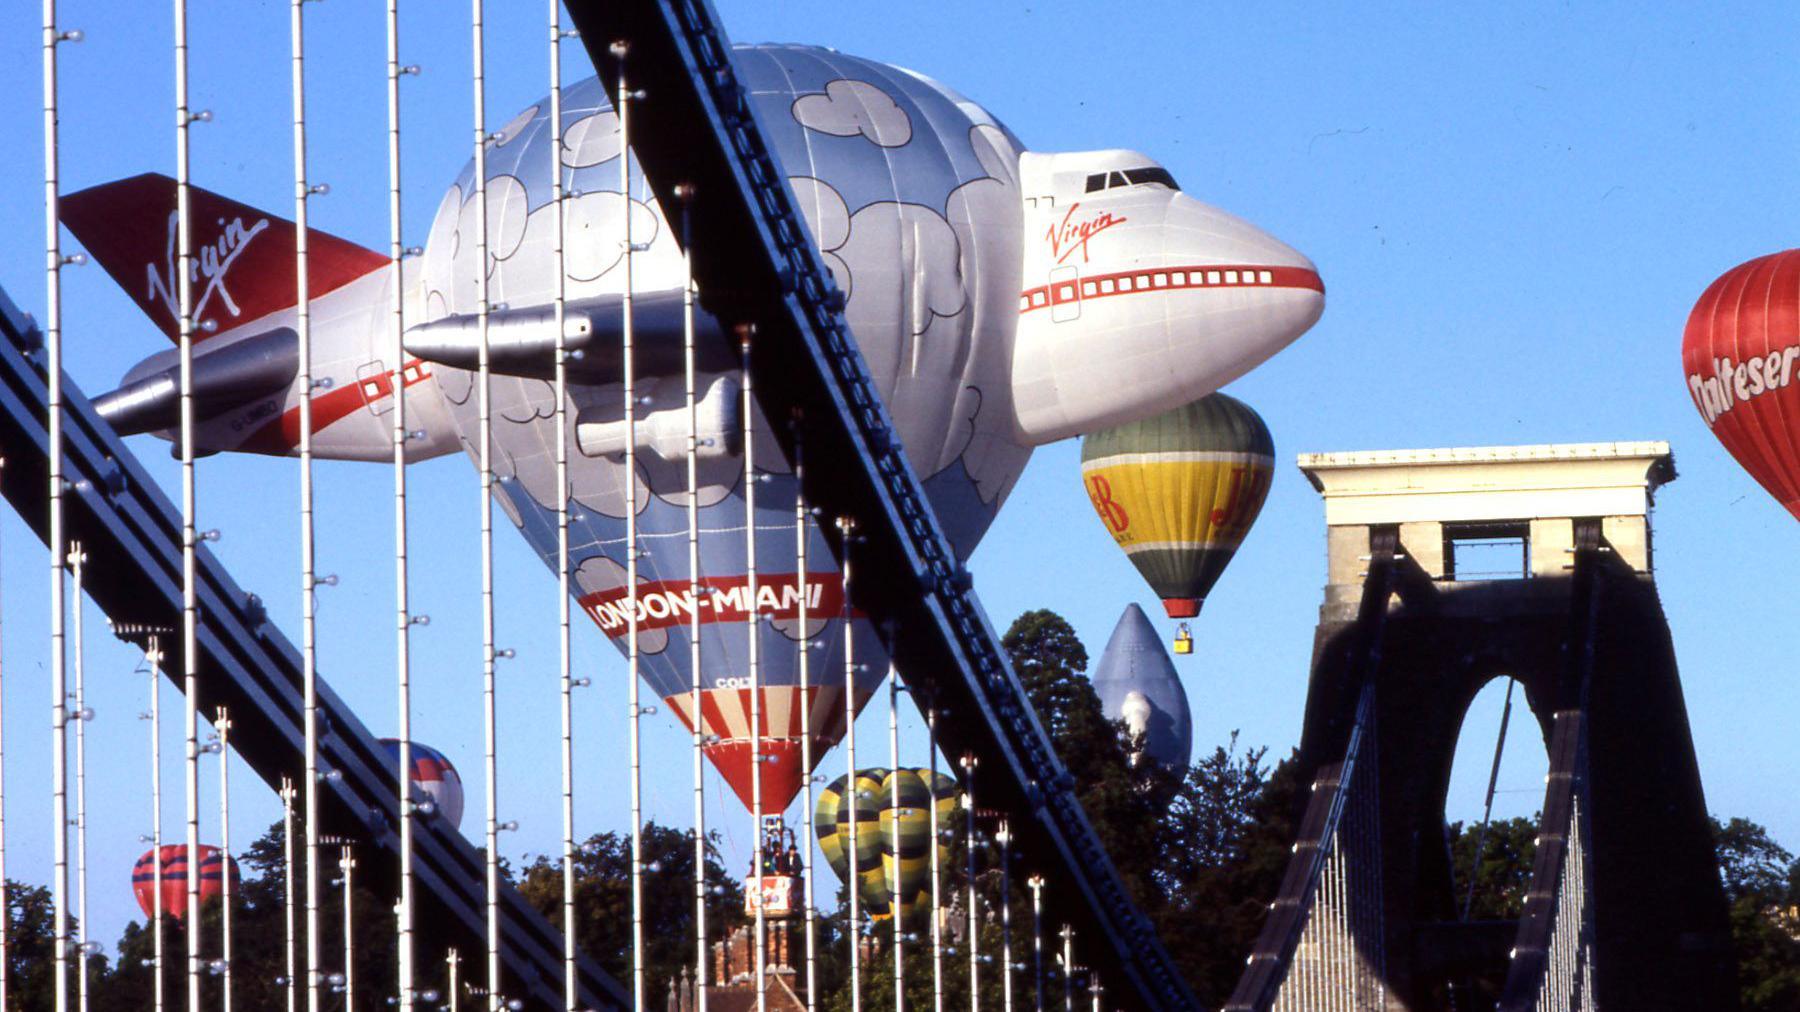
[1402, 649]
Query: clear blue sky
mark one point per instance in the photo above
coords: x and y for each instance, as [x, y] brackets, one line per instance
[1513, 209]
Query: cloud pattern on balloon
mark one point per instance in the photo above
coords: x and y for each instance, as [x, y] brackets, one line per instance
[850, 108]
[911, 192]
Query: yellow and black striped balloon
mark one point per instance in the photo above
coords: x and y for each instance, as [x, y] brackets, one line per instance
[1178, 491]
[831, 822]
[893, 835]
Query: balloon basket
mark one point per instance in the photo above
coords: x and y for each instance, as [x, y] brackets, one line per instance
[780, 896]
[774, 882]
[1184, 640]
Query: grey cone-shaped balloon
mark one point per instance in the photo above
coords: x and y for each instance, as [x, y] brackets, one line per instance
[1136, 682]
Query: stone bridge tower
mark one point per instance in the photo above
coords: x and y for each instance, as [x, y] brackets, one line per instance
[1529, 562]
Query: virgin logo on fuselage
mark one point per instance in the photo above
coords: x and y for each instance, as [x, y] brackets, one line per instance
[1068, 235]
[209, 264]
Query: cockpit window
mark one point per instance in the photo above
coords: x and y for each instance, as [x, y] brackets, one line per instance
[1150, 174]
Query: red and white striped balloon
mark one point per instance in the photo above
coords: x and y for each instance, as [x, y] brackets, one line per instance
[1739, 356]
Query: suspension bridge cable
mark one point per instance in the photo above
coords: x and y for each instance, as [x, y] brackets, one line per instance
[564, 657]
[853, 931]
[190, 605]
[485, 451]
[1068, 968]
[753, 632]
[937, 842]
[632, 549]
[59, 699]
[1036, 883]
[403, 618]
[222, 724]
[346, 866]
[154, 654]
[893, 834]
[5, 938]
[191, 794]
[83, 948]
[969, 762]
[806, 737]
[290, 983]
[689, 353]
[309, 584]
[1004, 838]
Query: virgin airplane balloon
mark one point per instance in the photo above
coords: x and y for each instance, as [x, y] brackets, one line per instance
[1002, 299]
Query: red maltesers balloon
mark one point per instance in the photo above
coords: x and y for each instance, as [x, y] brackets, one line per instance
[213, 866]
[1739, 356]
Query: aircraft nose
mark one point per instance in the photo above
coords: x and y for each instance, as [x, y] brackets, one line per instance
[1292, 310]
[1224, 237]
[1279, 292]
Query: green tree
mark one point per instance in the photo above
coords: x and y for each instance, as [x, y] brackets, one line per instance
[1049, 658]
[1751, 863]
[259, 934]
[1201, 850]
[1120, 802]
[1504, 875]
[603, 900]
[1224, 847]
[31, 948]
[1123, 803]
[1762, 884]
[877, 972]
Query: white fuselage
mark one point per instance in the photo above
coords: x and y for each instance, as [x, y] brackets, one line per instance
[1139, 298]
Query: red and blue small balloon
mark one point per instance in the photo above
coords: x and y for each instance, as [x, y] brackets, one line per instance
[214, 865]
[433, 773]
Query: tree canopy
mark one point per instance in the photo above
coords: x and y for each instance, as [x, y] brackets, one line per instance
[1201, 849]
[1762, 884]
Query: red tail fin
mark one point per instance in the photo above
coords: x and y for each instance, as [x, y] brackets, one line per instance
[243, 265]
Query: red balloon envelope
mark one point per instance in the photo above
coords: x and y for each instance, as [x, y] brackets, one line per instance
[213, 868]
[1739, 354]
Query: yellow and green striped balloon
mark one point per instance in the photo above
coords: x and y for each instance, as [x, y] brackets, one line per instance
[831, 821]
[1178, 491]
[893, 835]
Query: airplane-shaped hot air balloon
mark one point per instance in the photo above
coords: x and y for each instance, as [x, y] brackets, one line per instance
[1178, 491]
[1002, 299]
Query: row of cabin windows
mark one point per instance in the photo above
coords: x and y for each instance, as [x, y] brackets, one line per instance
[1065, 292]
[372, 389]
[1179, 279]
[1152, 174]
